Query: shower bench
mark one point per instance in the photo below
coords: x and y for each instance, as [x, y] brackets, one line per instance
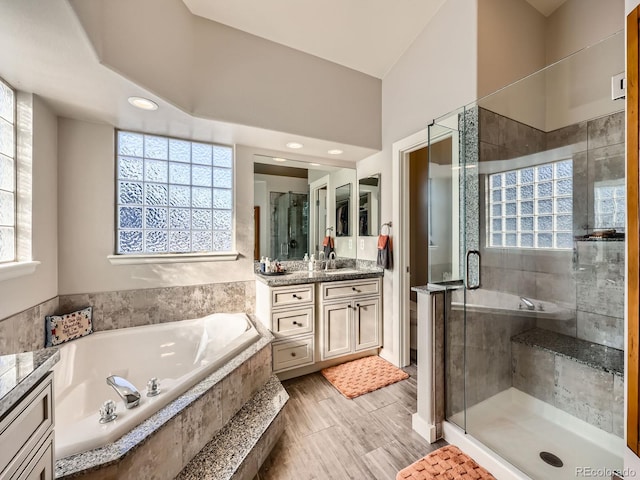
[582, 378]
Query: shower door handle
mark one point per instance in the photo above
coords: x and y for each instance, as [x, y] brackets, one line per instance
[467, 285]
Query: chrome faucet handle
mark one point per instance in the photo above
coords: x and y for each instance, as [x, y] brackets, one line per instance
[153, 387]
[108, 412]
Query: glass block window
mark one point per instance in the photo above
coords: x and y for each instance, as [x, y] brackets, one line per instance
[173, 196]
[609, 204]
[7, 174]
[532, 207]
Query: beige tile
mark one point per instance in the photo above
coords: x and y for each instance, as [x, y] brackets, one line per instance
[200, 422]
[159, 459]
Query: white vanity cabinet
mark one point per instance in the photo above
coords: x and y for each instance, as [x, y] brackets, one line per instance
[289, 312]
[26, 436]
[315, 324]
[351, 320]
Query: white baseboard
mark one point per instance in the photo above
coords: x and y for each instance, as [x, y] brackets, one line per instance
[423, 428]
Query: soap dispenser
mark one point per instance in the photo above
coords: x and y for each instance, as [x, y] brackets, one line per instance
[312, 263]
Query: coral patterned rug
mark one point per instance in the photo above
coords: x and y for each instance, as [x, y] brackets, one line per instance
[364, 375]
[446, 463]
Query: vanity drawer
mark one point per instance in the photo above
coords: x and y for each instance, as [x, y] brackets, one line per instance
[298, 294]
[295, 353]
[23, 428]
[292, 322]
[331, 290]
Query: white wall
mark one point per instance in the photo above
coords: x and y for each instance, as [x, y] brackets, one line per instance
[434, 76]
[579, 23]
[511, 43]
[25, 292]
[214, 71]
[86, 220]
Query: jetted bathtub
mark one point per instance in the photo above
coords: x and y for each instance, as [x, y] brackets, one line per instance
[179, 354]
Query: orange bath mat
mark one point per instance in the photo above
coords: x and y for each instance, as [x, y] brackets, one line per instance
[364, 375]
[446, 463]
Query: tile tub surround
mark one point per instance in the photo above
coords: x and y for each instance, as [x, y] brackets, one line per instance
[581, 378]
[19, 372]
[132, 308]
[170, 438]
[241, 447]
[24, 331]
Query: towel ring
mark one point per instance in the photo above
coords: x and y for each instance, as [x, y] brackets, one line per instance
[388, 225]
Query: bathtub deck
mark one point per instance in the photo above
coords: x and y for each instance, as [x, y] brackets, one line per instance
[329, 437]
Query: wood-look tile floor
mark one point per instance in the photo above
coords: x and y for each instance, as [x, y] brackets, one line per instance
[328, 436]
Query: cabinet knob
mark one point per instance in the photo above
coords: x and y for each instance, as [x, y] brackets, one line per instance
[355, 289]
[293, 354]
[296, 296]
[295, 323]
[357, 304]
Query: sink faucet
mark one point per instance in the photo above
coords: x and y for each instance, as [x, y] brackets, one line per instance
[129, 394]
[529, 304]
[332, 261]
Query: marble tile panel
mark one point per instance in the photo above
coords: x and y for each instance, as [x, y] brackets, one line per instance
[556, 287]
[249, 297]
[9, 335]
[566, 326]
[607, 130]
[584, 392]
[492, 127]
[601, 329]
[574, 136]
[617, 406]
[606, 163]
[108, 473]
[582, 196]
[160, 459]
[237, 389]
[533, 371]
[201, 422]
[490, 152]
[260, 367]
[598, 292]
[554, 262]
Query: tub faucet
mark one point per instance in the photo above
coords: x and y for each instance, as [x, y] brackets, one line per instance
[129, 394]
[529, 304]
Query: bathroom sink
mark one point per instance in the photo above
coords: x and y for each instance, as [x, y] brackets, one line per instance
[341, 271]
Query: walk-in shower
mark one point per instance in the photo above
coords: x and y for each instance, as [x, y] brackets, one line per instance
[538, 212]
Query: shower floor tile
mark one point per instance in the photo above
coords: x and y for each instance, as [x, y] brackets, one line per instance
[518, 427]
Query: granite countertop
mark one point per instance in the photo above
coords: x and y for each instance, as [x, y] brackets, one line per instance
[598, 356]
[298, 277]
[438, 287]
[21, 371]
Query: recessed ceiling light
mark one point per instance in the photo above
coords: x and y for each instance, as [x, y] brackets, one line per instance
[294, 145]
[143, 103]
[314, 164]
[335, 151]
[280, 159]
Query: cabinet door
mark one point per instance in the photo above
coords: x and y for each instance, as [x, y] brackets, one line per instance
[367, 323]
[336, 330]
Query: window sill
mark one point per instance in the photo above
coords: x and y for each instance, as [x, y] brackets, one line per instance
[172, 258]
[17, 269]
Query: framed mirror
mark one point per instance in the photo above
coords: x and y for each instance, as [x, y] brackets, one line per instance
[294, 203]
[369, 206]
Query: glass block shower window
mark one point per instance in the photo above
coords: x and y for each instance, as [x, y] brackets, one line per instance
[609, 204]
[173, 196]
[7, 174]
[532, 207]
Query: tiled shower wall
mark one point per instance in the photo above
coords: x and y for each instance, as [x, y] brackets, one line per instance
[589, 281]
[128, 308]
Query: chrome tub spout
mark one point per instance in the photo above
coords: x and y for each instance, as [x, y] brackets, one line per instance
[129, 394]
[528, 303]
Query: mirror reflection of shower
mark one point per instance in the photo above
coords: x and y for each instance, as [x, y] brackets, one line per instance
[289, 224]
